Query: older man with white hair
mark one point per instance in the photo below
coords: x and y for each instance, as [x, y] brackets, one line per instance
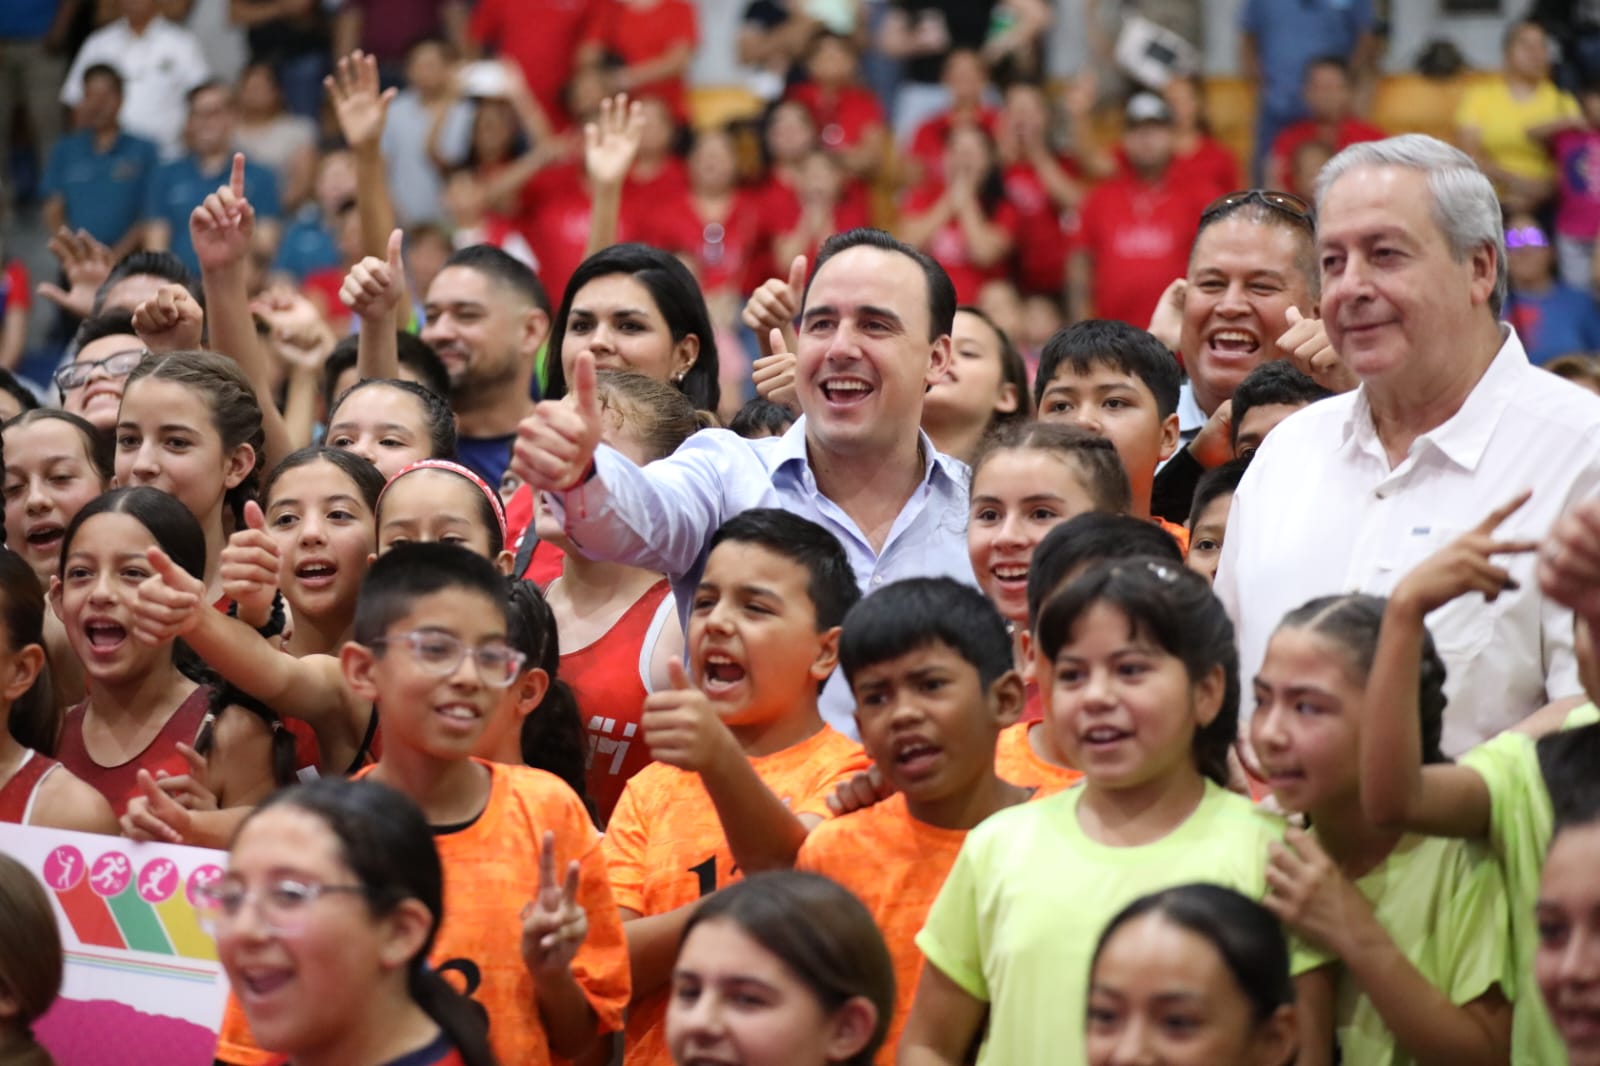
[1449, 422]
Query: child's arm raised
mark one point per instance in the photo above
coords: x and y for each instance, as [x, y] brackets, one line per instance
[1397, 790]
[609, 146]
[1310, 896]
[372, 290]
[172, 604]
[554, 926]
[683, 730]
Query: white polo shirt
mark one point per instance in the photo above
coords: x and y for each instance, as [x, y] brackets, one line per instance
[158, 68]
[1321, 512]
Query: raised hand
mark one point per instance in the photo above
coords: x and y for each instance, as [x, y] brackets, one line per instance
[612, 141]
[680, 725]
[1569, 563]
[169, 601]
[249, 565]
[222, 226]
[555, 444]
[1305, 344]
[774, 375]
[170, 321]
[298, 333]
[776, 304]
[85, 262]
[372, 287]
[359, 106]
[555, 924]
[1213, 445]
[1464, 566]
[1166, 323]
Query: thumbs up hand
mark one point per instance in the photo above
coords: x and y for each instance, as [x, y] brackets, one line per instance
[169, 601]
[372, 287]
[1305, 344]
[682, 728]
[555, 445]
[774, 375]
[250, 566]
[776, 304]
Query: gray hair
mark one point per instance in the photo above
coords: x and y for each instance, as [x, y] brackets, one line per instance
[1465, 207]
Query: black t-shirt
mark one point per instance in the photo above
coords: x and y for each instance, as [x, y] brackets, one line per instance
[966, 20]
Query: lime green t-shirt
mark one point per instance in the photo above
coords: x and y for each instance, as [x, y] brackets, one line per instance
[1019, 916]
[1520, 826]
[1443, 903]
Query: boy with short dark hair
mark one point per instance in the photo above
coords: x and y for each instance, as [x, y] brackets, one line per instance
[930, 664]
[1208, 521]
[1267, 395]
[548, 962]
[1121, 383]
[744, 761]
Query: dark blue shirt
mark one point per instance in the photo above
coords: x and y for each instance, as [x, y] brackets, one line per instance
[1560, 322]
[179, 186]
[104, 192]
[26, 20]
[487, 457]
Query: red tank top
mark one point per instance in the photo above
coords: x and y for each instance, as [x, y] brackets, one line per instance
[119, 784]
[605, 678]
[17, 795]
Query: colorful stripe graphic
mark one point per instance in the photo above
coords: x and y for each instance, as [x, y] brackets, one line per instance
[109, 907]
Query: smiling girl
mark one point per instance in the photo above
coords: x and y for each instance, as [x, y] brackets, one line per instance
[986, 387]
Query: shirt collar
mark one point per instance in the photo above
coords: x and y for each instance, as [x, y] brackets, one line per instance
[791, 451]
[1464, 435]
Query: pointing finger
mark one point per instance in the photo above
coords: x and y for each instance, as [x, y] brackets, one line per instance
[236, 179]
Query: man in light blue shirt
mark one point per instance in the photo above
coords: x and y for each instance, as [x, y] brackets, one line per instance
[874, 333]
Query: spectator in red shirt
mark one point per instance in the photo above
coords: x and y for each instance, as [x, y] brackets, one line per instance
[1330, 96]
[966, 79]
[658, 175]
[718, 225]
[1198, 156]
[963, 220]
[544, 37]
[1137, 227]
[823, 209]
[648, 45]
[848, 117]
[1043, 186]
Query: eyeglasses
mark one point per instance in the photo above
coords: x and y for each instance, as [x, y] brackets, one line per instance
[282, 904]
[116, 365]
[441, 655]
[1286, 204]
[1526, 237]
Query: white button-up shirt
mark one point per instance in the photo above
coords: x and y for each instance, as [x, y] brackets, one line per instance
[158, 68]
[661, 517]
[1321, 512]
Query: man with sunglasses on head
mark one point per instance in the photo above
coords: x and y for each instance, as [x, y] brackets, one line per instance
[1450, 421]
[91, 385]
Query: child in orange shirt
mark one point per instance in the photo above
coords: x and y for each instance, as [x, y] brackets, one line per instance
[929, 663]
[430, 651]
[1121, 383]
[744, 762]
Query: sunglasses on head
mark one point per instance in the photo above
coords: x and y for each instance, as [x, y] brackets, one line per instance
[1286, 204]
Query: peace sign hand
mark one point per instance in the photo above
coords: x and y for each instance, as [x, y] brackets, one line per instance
[1464, 565]
[555, 924]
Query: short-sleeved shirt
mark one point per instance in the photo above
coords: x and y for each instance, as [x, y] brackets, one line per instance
[1559, 321]
[1443, 903]
[894, 864]
[542, 36]
[1503, 121]
[665, 845]
[102, 192]
[1016, 761]
[1002, 931]
[636, 34]
[1138, 235]
[949, 243]
[1577, 155]
[1521, 825]
[158, 68]
[1289, 36]
[179, 186]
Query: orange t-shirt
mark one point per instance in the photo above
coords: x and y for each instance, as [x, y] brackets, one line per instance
[491, 869]
[1015, 761]
[666, 848]
[1179, 533]
[896, 865]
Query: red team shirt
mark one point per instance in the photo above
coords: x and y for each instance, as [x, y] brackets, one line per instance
[1138, 235]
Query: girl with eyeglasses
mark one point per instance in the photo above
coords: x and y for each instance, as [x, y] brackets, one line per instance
[333, 898]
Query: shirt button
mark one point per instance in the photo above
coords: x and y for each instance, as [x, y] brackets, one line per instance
[877, 579]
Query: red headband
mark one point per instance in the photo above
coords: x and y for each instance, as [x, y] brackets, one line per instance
[454, 468]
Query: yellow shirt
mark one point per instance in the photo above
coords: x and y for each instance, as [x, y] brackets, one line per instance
[1503, 121]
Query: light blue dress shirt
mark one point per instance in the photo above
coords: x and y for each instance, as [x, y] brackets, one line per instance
[661, 517]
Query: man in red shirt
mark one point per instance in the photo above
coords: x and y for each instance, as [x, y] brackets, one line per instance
[1137, 226]
[1330, 97]
[544, 37]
